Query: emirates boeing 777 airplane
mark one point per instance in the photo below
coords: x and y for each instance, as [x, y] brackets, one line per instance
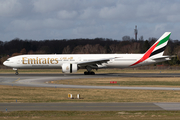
[70, 63]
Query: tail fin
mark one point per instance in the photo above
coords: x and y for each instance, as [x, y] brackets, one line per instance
[157, 49]
[160, 45]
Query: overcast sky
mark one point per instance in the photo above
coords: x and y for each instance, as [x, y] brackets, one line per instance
[68, 19]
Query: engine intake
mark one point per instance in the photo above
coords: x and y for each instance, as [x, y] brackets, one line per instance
[69, 68]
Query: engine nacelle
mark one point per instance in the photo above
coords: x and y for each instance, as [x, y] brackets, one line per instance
[69, 68]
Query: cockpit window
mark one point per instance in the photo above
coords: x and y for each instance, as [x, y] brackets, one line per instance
[8, 60]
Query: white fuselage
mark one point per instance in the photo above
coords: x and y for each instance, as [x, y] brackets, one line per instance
[57, 60]
[70, 63]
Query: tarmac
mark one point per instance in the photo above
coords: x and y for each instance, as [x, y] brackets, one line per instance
[40, 80]
[88, 106]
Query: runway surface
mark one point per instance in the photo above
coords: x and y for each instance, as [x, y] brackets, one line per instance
[88, 106]
[40, 80]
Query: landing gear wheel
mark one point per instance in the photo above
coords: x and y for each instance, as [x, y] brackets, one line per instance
[85, 73]
[89, 73]
[16, 73]
[92, 73]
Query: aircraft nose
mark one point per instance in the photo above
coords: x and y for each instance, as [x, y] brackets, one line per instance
[4, 63]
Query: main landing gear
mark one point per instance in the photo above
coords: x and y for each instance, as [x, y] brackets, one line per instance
[89, 73]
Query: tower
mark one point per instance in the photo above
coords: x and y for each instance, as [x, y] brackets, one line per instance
[135, 32]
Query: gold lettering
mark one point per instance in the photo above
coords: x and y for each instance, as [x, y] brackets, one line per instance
[64, 58]
[48, 60]
[70, 58]
[43, 60]
[56, 61]
[52, 59]
[37, 60]
[23, 59]
[67, 68]
[30, 60]
[40, 60]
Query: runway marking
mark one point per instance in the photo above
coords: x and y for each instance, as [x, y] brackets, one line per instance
[16, 80]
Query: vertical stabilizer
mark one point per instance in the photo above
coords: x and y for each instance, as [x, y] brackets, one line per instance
[157, 49]
[161, 46]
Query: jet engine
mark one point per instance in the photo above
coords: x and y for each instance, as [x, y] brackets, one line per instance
[69, 68]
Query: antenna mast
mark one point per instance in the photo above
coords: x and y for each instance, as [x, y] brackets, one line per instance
[135, 32]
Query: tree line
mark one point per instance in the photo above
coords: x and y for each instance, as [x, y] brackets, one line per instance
[85, 46]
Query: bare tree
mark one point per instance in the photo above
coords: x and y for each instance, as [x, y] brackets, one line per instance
[67, 50]
[113, 48]
[126, 38]
[23, 51]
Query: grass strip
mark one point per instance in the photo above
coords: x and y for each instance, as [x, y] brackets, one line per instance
[38, 94]
[76, 115]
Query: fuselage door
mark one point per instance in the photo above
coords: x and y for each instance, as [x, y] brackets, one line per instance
[18, 61]
[79, 59]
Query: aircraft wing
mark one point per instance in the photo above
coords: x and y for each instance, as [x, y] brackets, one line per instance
[94, 62]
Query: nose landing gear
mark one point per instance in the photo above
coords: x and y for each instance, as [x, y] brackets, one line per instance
[16, 73]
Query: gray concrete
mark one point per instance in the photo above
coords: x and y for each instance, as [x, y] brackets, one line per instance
[79, 106]
[88, 106]
[169, 106]
[40, 80]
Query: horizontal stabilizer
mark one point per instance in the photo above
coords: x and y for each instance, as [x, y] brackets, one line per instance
[163, 57]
